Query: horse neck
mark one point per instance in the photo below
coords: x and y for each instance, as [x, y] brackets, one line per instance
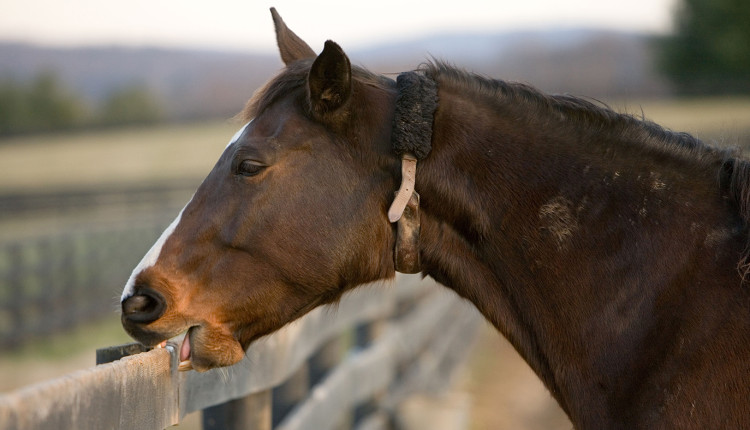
[463, 205]
[503, 224]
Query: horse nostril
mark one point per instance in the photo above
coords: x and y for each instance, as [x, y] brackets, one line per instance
[144, 307]
[137, 305]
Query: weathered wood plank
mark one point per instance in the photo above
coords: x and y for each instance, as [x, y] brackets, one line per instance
[287, 395]
[135, 392]
[433, 368]
[376, 421]
[372, 370]
[250, 412]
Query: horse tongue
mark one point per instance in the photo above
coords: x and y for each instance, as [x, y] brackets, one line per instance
[185, 363]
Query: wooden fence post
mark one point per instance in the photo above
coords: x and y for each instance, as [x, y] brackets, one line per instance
[291, 392]
[16, 302]
[251, 412]
[364, 336]
[324, 361]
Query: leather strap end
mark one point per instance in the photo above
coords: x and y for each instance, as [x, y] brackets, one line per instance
[408, 179]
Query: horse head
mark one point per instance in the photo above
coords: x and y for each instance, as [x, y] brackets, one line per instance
[293, 214]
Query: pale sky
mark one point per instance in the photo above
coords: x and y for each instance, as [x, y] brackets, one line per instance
[247, 25]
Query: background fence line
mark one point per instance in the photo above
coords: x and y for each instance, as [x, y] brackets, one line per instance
[68, 267]
[343, 368]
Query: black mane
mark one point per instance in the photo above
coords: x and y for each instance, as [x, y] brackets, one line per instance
[575, 109]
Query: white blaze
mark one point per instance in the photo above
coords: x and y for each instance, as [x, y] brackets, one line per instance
[237, 135]
[150, 258]
[153, 254]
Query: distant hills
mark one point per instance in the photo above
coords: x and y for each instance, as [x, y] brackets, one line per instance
[196, 83]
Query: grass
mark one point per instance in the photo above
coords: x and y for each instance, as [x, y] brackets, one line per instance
[145, 155]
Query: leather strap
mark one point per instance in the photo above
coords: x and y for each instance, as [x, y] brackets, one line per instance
[408, 180]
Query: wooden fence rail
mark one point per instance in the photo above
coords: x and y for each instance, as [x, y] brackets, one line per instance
[348, 367]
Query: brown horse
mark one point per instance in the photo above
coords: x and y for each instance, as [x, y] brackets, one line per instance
[605, 248]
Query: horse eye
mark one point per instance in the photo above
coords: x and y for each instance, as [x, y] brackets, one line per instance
[250, 168]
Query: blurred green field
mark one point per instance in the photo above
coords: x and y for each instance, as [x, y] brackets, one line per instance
[722, 121]
[122, 158]
[112, 157]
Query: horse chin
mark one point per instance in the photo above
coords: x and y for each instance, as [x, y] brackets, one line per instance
[205, 348]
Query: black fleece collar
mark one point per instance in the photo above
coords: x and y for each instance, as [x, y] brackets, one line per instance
[415, 109]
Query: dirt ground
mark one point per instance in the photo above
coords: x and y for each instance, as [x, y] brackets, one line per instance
[505, 393]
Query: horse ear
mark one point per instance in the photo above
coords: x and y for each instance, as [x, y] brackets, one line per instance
[291, 47]
[330, 80]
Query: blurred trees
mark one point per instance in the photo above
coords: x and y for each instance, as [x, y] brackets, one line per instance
[710, 50]
[44, 105]
[134, 105]
[41, 105]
